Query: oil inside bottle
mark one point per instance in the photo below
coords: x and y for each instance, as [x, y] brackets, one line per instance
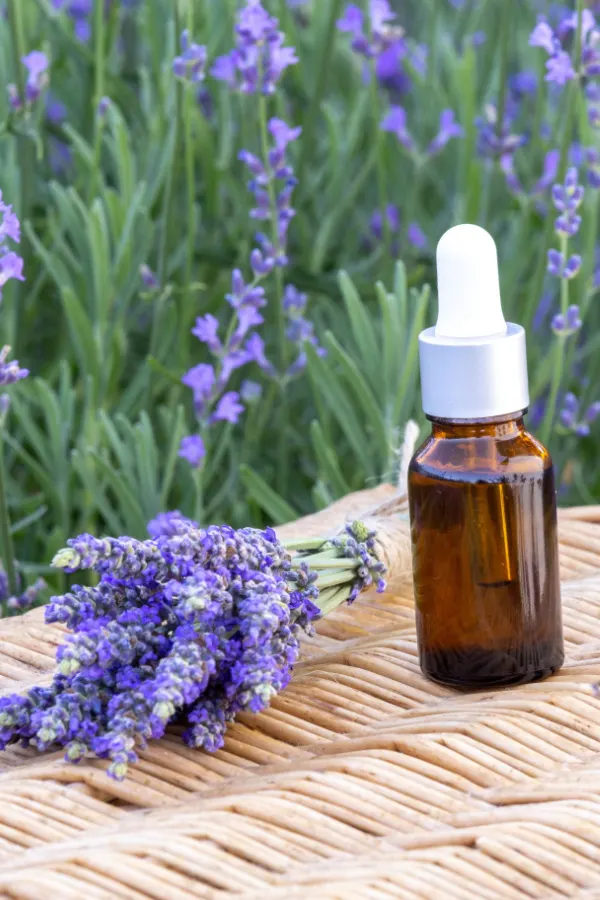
[487, 594]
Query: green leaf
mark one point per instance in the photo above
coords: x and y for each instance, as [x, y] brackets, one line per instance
[267, 499]
[326, 381]
[404, 396]
[328, 463]
[362, 331]
[82, 334]
[363, 394]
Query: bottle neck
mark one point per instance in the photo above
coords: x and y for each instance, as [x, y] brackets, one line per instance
[502, 427]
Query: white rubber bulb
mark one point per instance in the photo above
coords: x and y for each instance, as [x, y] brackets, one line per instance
[469, 304]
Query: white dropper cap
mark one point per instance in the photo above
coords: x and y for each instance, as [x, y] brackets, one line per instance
[473, 363]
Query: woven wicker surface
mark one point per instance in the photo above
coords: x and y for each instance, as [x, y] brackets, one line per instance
[363, 780]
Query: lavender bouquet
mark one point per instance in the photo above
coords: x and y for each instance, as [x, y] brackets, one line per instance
[189, 627]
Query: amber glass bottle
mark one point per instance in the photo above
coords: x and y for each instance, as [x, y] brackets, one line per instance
[483, 513]
[481, 489]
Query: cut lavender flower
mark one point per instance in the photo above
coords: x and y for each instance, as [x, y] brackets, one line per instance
[189, 628]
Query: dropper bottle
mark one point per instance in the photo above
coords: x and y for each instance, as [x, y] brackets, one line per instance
[481, 489]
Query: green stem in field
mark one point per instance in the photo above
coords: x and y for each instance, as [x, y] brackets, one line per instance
[26, 148]
[6, 541]
[188, 144]
[283, 439]
[559, 354]
[380, 165]
[310, 120]
[506, 20]
[99, 90]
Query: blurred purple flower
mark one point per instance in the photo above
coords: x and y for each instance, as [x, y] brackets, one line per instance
[568, 324]
[543, 36]
[104, 105]
[592, 157]
[80, 12]
[551, 161]
[10, 227]
[570, 415]
[417, 237]
[10, 370]
[229, 409]
[448, 129]
[542, 310]
[11, 266]
[56, 111]
[567, 198]
[201, 379]
[299, 329]
[492, 144]
[524, 82]
[149, 279]
[392, 214]
[395, 122]
[36, 64]
[192, 449]
[250, 391]
[379, 40]
[191, 64]
[559, 66]
[259, 58]
[205, 330]
[60, 157]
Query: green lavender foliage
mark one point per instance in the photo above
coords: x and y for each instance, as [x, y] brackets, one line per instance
[93, 436]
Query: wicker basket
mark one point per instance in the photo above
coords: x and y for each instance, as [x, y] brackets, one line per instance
[362, 780]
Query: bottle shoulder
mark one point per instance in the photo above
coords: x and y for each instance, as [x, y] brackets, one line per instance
[478, 457]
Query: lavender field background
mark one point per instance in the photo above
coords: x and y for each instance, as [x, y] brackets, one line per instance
[217, 238]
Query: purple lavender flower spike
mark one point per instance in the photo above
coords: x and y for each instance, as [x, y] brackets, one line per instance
[572, 266]
[9, 225]
[555, 262]
[351, 21]
[11, 266]
[255, 351]
[543, 36]
[229, 409]
[36, 64]
[104, 105]
[570, 408]
[250, 391]
[551, 161]
[206, 330]
[524, 82]
[201, 379]
[507, 164]
[392, 214]
[569, 324]
[192, 449]
[56, 111]
[10, 371]
[191, 64]
[395, 122]
[417, 237]
[259, 58]
[448, 129]
[567, 198]
[149, 279]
